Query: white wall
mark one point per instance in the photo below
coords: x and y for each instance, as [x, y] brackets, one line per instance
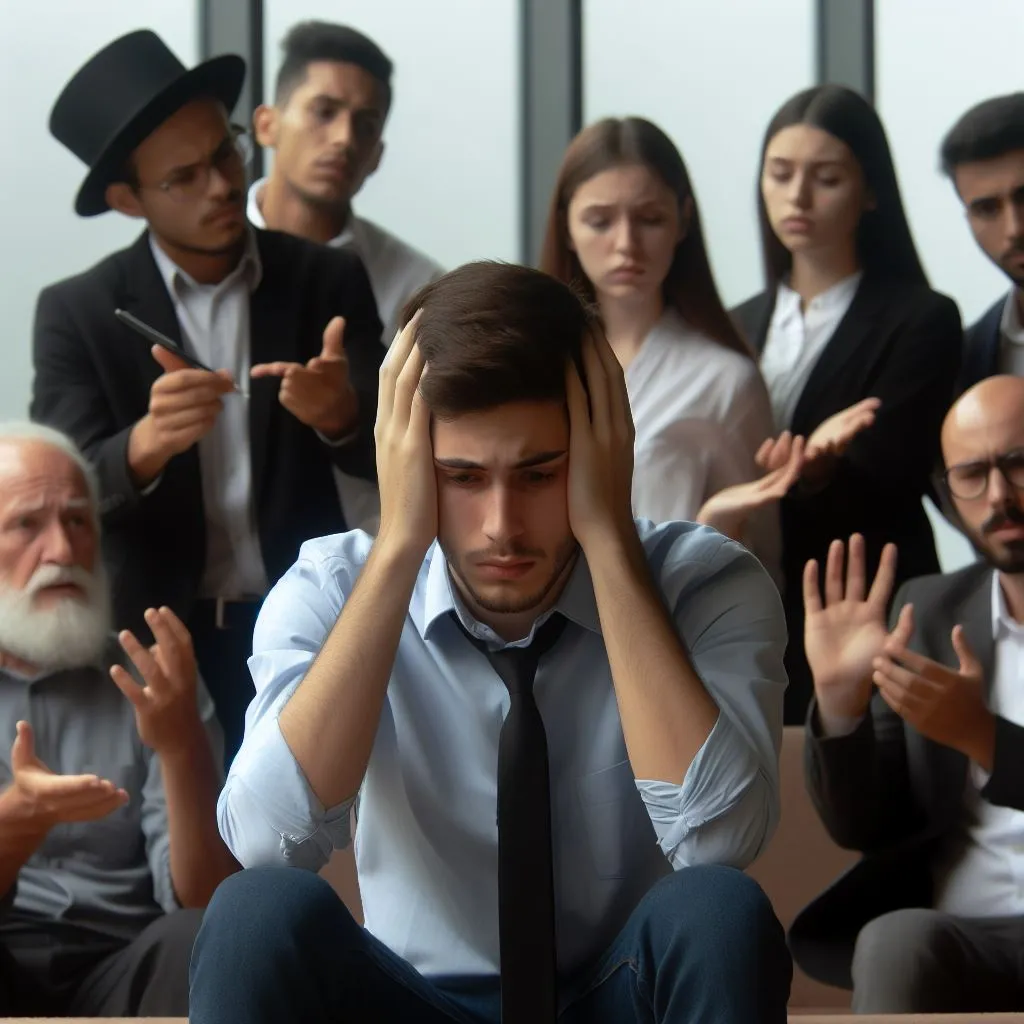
[449, 181]
[710, 73]
[42, 44]
[934, 60]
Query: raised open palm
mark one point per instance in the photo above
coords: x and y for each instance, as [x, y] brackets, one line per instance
[843, 635]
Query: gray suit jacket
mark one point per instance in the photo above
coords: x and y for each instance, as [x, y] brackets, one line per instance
[894, 795]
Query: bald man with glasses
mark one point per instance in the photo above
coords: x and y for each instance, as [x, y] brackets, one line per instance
[916, 746]
[210, 478]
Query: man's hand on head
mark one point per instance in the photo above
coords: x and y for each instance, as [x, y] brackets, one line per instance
[601, 436]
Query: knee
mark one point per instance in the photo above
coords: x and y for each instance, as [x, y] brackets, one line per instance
[726, 907]
[273, 904]
[897, 947]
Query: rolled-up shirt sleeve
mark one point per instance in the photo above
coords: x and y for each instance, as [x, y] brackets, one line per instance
[731, 620]
[268, 813]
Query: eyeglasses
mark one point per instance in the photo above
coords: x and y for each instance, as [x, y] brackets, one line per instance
[969, 480]
[189, 183]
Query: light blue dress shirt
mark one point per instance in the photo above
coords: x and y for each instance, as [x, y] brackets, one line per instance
[426, 843]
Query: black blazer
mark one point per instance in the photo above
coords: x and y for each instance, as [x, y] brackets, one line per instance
[900, 344]
[894, 795]
[981, 347]
[92, 381]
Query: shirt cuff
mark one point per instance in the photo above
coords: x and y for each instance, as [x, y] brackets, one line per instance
[341, 441]
[146, 491]
[269, 812]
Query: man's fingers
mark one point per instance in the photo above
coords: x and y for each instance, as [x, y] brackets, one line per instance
[834, 573]
[885, 577]
[168, 361]
[23, 752]
[141, 656]
[46, 785]
[903, 631]
[812, 594]
[969, 664]
[576, 399]
[176, 627]
[393, 364]
[278, 369]
[856, 571]
[334, 340]
[91, 810]
[124, 681]
[598, 387]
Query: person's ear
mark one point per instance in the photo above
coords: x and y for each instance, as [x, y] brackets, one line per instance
[122, 197]
[264, 126]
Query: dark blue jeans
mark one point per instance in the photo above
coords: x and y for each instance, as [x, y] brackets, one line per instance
[278, 945]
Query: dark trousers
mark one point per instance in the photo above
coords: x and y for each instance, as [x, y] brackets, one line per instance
[924, 961]
[222, 653]
[147, 977]
[277, 944]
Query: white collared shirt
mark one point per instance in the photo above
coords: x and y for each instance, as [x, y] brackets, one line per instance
[700, 411]
[1011, 336]
[214, 321]
[983, 872]
[427, 841]
[396, 270]
[796, 339]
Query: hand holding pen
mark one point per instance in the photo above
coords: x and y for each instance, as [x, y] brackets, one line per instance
[184, 403]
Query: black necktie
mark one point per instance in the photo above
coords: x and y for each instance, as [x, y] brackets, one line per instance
[526, 886]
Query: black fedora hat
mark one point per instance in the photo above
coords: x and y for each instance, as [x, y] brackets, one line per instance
[122, 95]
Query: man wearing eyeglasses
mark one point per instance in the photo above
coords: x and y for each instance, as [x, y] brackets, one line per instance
[916, 746]
[211, 479]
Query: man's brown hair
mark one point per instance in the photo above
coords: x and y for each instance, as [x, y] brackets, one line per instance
[494, 333]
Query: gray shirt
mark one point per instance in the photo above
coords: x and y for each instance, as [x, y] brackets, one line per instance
[107, 878]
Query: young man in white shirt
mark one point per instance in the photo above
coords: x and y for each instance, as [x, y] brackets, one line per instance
[983, 155]
[916, 747]
[628, 790]
[331, 100]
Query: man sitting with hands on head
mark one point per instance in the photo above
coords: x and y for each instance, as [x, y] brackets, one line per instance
[108, 799]
[629, 787]
[916, 747]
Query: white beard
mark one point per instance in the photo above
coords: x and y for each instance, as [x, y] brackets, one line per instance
[72, 633]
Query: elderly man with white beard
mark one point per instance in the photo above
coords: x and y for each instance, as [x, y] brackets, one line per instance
[108, 837]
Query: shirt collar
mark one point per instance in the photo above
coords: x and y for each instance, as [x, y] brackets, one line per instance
[1003, 623]
[249, 269]
[576, 602]
[255, 215]
[837, 297]
[1010, 326]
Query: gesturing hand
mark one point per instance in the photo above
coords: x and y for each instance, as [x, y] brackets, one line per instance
[405, 455]
[947, 705]
[600, 446]
[183, 407]
[729, 509]
[45, 799]
[166, 710]
[319, 392]
[844, 636]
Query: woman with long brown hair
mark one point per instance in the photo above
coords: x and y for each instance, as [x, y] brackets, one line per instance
[624, 230]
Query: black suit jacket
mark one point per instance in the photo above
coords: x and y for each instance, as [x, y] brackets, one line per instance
[894, 795]
[899, 343]
[981, 347]
[92, 380]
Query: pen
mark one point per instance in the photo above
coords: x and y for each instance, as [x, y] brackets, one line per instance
[153, 335]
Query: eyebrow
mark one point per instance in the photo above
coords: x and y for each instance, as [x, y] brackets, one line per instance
[528, 463]
[39, 506]
[341, 101]
[198, 163]
[828, 161]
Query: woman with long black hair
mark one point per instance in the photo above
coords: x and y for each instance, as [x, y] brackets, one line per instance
[860, 356]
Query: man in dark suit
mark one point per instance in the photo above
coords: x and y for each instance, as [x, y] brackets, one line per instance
[915, 747]
[211, 478]
[983, 155]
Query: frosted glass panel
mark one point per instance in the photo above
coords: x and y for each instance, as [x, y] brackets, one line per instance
[449, 181]
[42, 44]
[934, 61]
[710, 73]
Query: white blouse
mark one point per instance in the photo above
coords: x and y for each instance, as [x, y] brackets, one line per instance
[701, 411]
